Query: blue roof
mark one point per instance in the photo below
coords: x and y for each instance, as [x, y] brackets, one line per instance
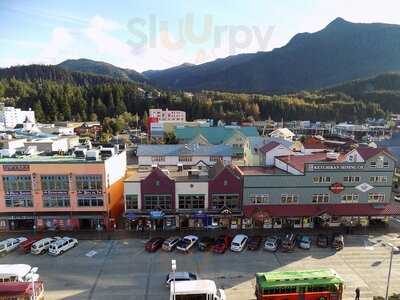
[182, 150]
[214, 135]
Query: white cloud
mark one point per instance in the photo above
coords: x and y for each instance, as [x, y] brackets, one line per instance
[57, 47]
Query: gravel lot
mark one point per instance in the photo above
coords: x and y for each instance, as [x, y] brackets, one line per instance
[123, 270]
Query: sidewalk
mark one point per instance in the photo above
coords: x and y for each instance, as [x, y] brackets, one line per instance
[126, 234]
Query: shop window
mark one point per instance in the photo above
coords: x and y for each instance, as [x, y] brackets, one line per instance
[88, 201]
[54, 183]
[191, 201]
[259, 198]
[376, 197]
[350, 198]
[351, 179]
[131, 201]
[320, 198]
[289, 199]
[56, 200]
[378, 179]
[321, 179]
[157, 202]
[89, 182]
[17, 183]
[225, 200]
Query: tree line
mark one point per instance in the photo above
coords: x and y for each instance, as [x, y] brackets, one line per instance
[59, 95]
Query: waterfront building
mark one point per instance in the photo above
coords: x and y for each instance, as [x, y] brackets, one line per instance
[182, 155]
[80, 191]
[290, 190]
[235, 136]
[11, 116]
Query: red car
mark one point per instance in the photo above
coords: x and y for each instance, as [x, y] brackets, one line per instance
[25, 247]
[222, 244]
[154, 244]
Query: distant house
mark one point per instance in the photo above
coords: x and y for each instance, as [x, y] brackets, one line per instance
[282, 133]
[253, 156]
[234, 136]
[185, 155]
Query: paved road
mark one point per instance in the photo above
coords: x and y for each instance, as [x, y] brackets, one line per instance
[122, 270]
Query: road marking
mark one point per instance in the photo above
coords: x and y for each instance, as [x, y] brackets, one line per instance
[111, 245]
[367, 246]
[91, 253]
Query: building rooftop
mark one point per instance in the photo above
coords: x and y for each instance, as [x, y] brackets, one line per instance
[172, 172]
[184, 150]
[299, 161]
[261, 171]
[214, 135]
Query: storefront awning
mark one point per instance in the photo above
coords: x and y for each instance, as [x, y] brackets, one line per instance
[316, 210]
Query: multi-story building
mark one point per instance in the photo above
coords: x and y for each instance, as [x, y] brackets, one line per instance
[82, 191]
[201, 197]
[11, 116]
[184, 155]
[235, 136]
[291, 190]
[320, 189]
[167, 115]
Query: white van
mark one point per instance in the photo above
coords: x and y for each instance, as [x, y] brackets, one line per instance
[62, 245]
[196, 289]
[17, 273]
[11, 244]
[41, 246]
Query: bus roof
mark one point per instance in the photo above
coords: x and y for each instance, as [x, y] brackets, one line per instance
[194, 286]
[297, 278]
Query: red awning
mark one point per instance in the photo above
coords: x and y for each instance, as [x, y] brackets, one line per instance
[315, 210]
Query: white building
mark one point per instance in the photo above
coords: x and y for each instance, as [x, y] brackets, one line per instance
[185, 155]
[168, 115]
[282, 133]
[11, 116]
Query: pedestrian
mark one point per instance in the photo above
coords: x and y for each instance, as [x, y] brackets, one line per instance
[357, 294]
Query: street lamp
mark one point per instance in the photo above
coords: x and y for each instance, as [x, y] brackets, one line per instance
[173, 266]
[32, 273]
[390, 267]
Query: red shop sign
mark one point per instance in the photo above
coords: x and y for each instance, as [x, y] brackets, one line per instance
[336, 188]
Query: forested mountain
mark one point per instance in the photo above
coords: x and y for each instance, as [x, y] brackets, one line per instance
[383, 89]
[340, 52]
[57, 94]
[101, 68]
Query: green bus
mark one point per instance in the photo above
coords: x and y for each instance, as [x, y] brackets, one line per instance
[324, 284]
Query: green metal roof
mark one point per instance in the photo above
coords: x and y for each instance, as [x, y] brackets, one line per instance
[298, 278]
[214, 135]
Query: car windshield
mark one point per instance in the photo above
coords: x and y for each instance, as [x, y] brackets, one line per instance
[2, 246]
[235, 244]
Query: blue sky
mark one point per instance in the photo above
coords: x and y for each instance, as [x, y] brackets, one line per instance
[158, 34]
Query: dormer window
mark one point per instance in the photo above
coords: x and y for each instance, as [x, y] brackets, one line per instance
[372, 164]
[351, 158]
[379, 162]
[386, 164]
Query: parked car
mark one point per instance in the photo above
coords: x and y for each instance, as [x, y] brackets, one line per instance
[187, 243]
[254, 243]
[154, 244]
[11, 244]
[288, 242]
[239, 242]
[272, 243]
[25, 247]
[205, 243]
[180, 276]
[62, 245]
[42, 246]
[322, 241]
[170, 243]
[337, 241]
[222, 243]
[305, 242]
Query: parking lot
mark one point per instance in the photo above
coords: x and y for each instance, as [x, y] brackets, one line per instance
[123, 270]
